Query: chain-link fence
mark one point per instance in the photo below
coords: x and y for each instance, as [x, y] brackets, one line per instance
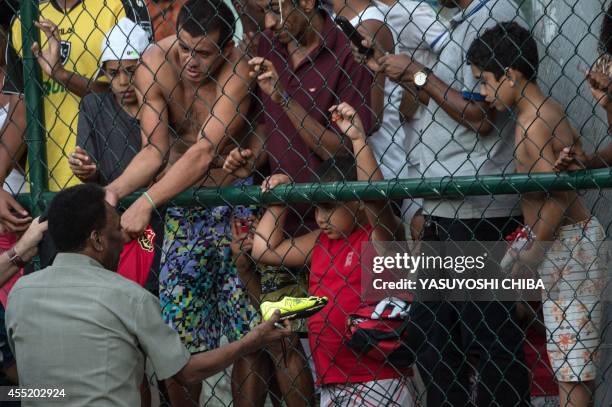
[256, 148]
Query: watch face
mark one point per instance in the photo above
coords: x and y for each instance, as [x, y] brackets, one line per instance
[420, 78]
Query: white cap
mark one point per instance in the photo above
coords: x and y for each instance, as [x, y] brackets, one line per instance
[126, 40]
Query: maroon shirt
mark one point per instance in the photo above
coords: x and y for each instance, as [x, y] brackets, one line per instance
[328, 76]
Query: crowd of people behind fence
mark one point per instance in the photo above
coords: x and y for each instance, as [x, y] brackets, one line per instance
[163, 96]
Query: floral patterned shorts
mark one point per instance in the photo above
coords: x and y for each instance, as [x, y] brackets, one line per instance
[201, 295]
[574, 275]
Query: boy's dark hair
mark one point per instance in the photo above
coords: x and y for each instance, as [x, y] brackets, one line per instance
[337, 169]
[74, 213]
[204, 17]
[605, 38]
[507, 45]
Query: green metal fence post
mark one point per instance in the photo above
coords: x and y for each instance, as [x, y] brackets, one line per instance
[35, 138]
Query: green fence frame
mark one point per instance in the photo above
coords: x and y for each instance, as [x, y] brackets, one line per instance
[402, 188]
[35, 137]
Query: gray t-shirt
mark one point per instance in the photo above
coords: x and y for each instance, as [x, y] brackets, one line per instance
[108, 133]
[87, 330]
[451, 149]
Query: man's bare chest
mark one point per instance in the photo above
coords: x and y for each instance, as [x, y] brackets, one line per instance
[189, 110]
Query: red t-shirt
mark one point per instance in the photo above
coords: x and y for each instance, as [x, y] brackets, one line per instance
[536, 359]
[336, 274]
[137, 257]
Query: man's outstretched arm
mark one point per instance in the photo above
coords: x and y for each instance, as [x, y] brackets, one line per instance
[205, 364]
[227, 115]
[466, 109]
[171, 359]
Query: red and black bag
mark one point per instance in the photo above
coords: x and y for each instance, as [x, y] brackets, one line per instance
[382, 332]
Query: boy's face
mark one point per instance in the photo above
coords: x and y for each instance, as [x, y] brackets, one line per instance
[119, 74]
[201, 57]
[498, 93]
[337, 220]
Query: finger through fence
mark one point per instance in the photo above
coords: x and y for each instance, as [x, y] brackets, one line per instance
[420, 188]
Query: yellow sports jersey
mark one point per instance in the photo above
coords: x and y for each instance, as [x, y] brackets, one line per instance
[82, 30]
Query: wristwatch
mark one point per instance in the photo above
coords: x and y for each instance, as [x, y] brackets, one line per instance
[420, 78]
[15, 258]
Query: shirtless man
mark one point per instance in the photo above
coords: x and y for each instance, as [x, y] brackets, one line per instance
[194, 96]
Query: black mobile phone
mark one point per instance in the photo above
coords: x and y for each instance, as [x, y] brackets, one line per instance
[353, 35]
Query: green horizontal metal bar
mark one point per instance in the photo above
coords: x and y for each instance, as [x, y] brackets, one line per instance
[416, 188]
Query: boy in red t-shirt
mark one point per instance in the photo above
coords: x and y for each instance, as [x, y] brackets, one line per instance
[333, 252]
